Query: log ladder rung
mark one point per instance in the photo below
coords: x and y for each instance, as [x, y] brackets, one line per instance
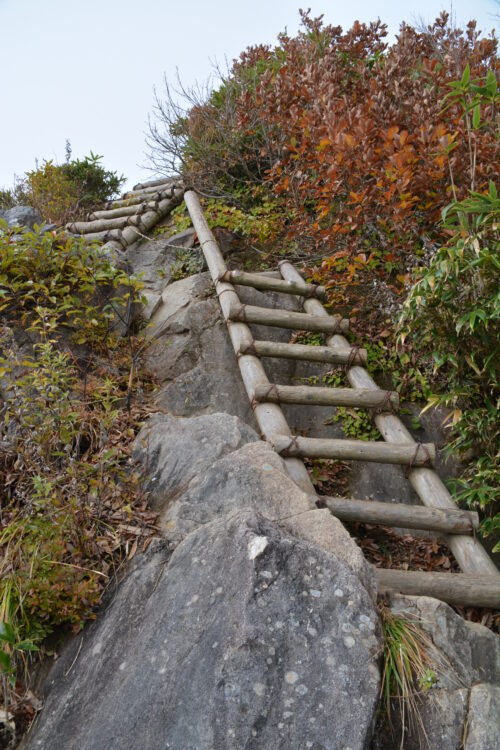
[288, 319]
[454, 588]
[402, 515]
[368, 398]
[308, 353]
[269, 284]
[405, 454]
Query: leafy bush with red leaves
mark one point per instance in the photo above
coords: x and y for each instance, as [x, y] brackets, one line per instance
[349, 132]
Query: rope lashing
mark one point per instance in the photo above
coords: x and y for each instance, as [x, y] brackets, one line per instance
[427, 462]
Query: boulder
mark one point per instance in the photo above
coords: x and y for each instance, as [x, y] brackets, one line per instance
[21, 216]
[244, 637]
[173, 450]
[462, 708]
[152, 259]
[483, 730]
[253, 477]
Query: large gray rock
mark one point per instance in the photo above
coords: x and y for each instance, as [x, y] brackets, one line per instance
[254, 477]
[483, 730]
[153, 259]
[173, 450]
[243, 638]
[191, 354]
[464, 702]
[21, 216]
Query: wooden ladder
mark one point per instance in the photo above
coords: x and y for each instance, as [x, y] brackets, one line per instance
[479, 583]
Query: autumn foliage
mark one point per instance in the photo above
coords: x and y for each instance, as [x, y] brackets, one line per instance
[350, 133]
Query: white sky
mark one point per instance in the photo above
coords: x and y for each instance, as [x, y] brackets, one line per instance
[85, 69]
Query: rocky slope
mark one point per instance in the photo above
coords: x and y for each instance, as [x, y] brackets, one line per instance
[252, 622]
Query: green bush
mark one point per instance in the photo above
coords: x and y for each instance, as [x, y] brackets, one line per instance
[94, 183]
[64, 192]
[453, 313]
[66, 486]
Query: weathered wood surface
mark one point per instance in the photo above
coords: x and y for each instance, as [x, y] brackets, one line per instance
[454, 588]
[368, 398]
[155, 183]
[270, 417]
[149, 190]
[258, 281]
[112, 213]
[100, 225]
[134, 201]
[355, 450]
[309, 353]
[405, 516]
[127, 229]
[468, 551]
[287, 319]
[115, 235]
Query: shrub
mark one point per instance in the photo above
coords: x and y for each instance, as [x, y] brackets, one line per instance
[94, 183]
[64, 192]
[68, 494]
[347, 133]
[453, 313]
[51, 192]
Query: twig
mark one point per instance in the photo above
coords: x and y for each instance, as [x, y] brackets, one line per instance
[76, 657]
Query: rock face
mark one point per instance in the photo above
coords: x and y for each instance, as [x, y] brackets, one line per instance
[154, 258]
[192, 355]
[462, 709]
[244, 637]
[190, 351]
[174, 450]
[252, 623]
[21, 216]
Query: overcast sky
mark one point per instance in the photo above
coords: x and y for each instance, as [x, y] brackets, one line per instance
[86, 70]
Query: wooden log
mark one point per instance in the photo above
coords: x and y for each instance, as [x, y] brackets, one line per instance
[270, 274]
[154, 183]
[154, 197]
[270, 417]
[309, 353]
[368, 398]
[454, 588]
[355, 450]
[149, 218]
[112, 213]
[469, 552]
[100, 225]
[287, 319]
[258, 281]
[110, 234]
[145, 192]
[405, 516]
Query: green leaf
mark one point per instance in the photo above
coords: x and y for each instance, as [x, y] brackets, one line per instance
[491, 83]
[466, 76]
[7, 633]
[27, 646]
[476, 117]
[5, 661]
